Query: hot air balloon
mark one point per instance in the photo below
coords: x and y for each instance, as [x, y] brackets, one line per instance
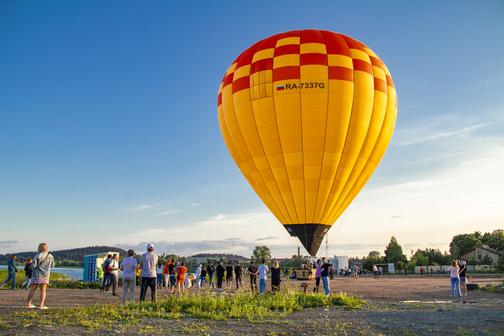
[307, 116]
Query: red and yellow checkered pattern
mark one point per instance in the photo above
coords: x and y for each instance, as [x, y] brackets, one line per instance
[307, 115]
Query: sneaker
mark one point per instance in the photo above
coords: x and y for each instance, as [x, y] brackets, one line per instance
[43, 308]
[32, 306]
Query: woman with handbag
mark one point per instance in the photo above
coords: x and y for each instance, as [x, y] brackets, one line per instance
[42, 264]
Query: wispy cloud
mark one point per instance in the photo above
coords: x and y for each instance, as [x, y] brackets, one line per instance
[267, 238]
[416, 137]
[141, 207]
[167, 212]
[8, 243]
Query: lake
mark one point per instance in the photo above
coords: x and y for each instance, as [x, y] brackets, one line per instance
[72, 273]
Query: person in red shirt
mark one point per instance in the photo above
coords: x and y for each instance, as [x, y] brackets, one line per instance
[182, 270]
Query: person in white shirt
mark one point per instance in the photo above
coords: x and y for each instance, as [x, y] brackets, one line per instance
[263, 275]
[455, 280]
[198, 274]
[128, 268]
[148, 264]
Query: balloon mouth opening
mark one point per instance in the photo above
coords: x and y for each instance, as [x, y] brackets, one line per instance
[310, 235]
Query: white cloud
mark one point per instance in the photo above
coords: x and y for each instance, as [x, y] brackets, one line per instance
[141, 207]
[425, 134]
[166, 212]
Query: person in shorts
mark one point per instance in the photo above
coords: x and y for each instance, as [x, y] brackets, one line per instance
[463, 279]
[43, 261]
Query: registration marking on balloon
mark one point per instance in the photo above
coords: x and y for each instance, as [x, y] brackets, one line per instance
[293, 86]
[307, 115]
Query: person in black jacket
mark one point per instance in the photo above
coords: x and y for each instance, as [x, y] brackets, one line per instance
[275, 277]
[220, 270]
[229, 274]
[238, 275]
[252, 272]
[210, 270]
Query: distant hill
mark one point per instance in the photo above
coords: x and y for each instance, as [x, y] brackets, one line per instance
[71, 257]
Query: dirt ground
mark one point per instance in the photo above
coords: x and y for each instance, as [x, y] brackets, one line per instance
[410, 305]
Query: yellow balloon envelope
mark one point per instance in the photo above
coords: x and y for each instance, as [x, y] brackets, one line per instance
[307, 116]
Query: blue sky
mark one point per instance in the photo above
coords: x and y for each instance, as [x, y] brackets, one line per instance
[109, 132]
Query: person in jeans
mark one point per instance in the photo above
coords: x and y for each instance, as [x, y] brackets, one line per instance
[326, 267]
[106, 273]
[114, 273]
[28, 269]
[42, 264]
[263, 276]
[11, 272]
[159, 274]
[128, 268]
[455, 280]
[148, 264]
[202, 277]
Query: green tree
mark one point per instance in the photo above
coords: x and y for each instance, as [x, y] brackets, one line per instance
[419, 259]
[494, 240]
[394, 253]
[463, 243]
[374, 254]
[373, 258]
[260, 252]
[295, 261]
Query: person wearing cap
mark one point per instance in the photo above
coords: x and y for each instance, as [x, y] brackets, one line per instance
[148, 265]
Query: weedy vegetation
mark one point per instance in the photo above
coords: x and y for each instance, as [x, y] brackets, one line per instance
[202, 306]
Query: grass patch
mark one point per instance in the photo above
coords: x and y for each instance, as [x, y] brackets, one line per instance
[203, 306]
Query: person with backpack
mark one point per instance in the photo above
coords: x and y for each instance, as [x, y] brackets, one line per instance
[106, 273]
[42, 264]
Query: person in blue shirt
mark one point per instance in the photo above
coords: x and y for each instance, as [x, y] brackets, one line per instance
[11, 272]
